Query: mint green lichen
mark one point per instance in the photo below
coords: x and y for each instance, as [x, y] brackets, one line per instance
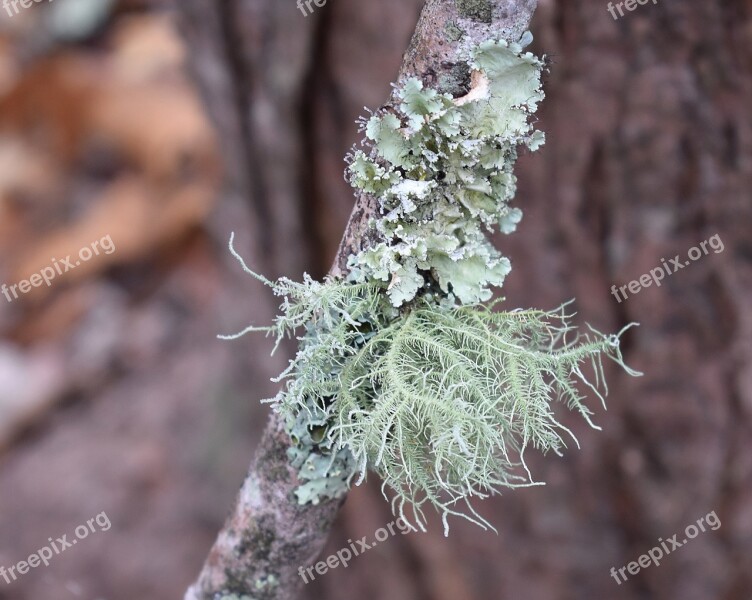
[326, 470]
[443, 173]
[402, 369]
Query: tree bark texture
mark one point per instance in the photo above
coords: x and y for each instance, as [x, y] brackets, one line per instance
[649, 153]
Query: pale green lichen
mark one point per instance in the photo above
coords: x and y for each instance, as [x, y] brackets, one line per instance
[441, 401]
[401, 368]
[331, 318]
[443, 173]
[325, 468]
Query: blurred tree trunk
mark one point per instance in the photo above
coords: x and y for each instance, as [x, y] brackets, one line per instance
[649, 153]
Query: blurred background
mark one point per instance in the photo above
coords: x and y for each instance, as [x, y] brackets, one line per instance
[167, 125]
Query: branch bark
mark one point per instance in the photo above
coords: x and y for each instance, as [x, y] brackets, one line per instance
[269, 536]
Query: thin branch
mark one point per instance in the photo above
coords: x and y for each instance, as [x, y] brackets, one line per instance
[268, 535]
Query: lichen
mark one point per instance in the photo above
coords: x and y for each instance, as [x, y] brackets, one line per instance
[404, 368]
[441, 401]
[266, 583]
[454, 31]
[335, 320]
[442, 169]
[324, 468]
[264, 587]
[478, 10]
[260, 537]
[455, 79]
[274, 466]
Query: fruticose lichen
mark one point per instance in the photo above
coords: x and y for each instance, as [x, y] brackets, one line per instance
[404, 367]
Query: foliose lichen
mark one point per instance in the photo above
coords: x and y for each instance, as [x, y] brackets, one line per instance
[442, 169]
[325, 468]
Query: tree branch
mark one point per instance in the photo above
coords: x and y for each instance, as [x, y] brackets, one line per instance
[268, 535]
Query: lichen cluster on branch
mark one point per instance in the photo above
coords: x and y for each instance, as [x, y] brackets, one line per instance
[402, 369]
[442, 169]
